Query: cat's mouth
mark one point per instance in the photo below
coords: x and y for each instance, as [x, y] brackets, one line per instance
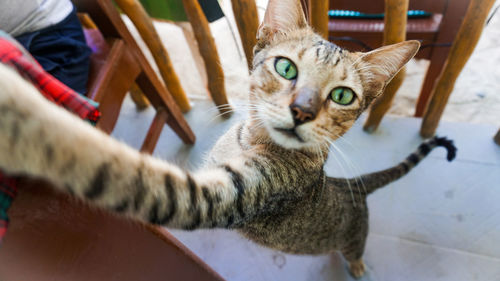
[291, 133]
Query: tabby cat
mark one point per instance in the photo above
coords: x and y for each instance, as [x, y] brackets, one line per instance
[264, 177]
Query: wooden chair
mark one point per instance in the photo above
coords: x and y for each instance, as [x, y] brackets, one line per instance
[115, 69]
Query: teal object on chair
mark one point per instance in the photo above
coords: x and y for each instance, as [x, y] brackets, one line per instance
[345, 14]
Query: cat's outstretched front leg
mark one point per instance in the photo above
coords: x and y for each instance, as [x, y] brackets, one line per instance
[39, 139]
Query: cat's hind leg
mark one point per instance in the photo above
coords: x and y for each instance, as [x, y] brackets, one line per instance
[357, 268]
[353, 253]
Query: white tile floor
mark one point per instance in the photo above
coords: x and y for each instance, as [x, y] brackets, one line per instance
[441, 222]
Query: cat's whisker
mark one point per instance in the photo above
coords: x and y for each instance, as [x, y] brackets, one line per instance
[348, 164]
[220, 115]
[318, 149]
[232, 109]
[357, 178]
[217, 108]
[344, 172]
[353, 166]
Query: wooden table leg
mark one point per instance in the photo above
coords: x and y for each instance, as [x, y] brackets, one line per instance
[394, 32]
[247, 20]
[208, 51]
[318, 15]
[465, 42]
[497, 137]
[135, 11]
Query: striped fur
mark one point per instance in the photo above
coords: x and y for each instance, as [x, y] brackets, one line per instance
[267, 185]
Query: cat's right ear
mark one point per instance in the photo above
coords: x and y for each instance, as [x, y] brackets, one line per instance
[381, 65]
[280, 16]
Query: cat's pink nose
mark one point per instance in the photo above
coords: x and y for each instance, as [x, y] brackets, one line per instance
[305, 105]
[301, 116]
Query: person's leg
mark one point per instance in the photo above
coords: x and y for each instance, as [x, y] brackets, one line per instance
[62, 51]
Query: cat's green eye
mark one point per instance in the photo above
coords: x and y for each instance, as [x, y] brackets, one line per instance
[285, 68]
[342, 95]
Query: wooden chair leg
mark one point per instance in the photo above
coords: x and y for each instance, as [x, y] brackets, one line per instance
[452, 18]
[383, 103]
[247, 20]
[160, 98]
[187, 30]
[154, 132]
[110, 89]
[140, 100]
[465, 42]
[497, 137]
[319, 16]
[208, 51]
[139, 17]
[394, 32]
[435, 67]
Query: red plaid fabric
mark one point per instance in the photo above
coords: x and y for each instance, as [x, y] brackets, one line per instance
[12, 54]
[51, 88]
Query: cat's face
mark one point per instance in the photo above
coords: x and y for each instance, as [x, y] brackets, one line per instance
[306, 91]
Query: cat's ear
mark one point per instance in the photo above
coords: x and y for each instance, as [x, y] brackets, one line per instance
[281, 16]
[382, 64]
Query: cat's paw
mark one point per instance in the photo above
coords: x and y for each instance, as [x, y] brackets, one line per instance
[357, 268]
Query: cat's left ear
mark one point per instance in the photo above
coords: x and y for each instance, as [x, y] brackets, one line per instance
[382, 64]
[280, 16]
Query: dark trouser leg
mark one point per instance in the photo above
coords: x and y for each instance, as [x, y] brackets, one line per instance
[62, 51]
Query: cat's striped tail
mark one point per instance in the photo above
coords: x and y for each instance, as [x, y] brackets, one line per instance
[368, 183]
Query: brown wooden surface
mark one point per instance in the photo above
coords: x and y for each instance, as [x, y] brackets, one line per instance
[377, 6]
[208, 51]
[154, 131]
[452, 18]
[394, 32]
[107, 18]
[247, 20]
[318, 16]
[462, 48]
[58, 238]
[497, 137]
[149, 87]
[112, 83]
[86, 21]
[140, 100]
[135, 11]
